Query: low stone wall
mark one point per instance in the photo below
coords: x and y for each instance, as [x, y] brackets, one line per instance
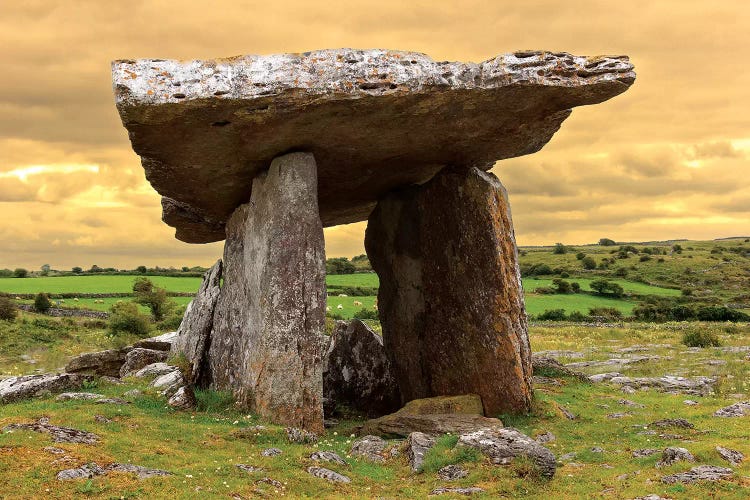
[61, 313]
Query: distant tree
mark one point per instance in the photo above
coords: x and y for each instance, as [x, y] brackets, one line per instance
[8, 309]
[580, 255]
[153, 297]
[45, 269]
[606, 242]
[606, 287]
[588, 263]
[42, 303]
[124, 317]
[561, 286]
[76, 270]
[339, 265]
[560, 249]
[141, 269]
[575, 287]
[20, 273]
[677, 248]
[185, 269]
[95, 269]
[552, 315]
[6, 273]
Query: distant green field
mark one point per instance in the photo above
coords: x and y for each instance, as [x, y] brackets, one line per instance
[535, 304]
[93, 284]
[531, 284]
[358, 279]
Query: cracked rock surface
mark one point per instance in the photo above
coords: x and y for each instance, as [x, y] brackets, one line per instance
[204, 129]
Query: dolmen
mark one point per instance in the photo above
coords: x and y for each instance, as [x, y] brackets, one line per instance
[263, 152]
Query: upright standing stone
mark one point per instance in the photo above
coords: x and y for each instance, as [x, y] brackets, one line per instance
[267, 341]
[450, 298]
[193, 336]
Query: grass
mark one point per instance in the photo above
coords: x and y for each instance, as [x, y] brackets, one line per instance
[202, 447]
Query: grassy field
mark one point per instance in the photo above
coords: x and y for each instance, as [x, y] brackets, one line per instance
[202, 447]
[535, 304]
[715, 271]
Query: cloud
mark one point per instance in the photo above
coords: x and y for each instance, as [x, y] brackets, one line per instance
[651, 163]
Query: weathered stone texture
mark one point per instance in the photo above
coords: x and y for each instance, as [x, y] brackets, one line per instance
[358, 372]
[450, 297]
[205, 129]
[267, 339]
[28, 386]
[433, 416]
[102, 363]
[140, 357]
[193, 336]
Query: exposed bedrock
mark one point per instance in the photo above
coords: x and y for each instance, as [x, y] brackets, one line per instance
[450, 298]
[267, 339]
[376, 120]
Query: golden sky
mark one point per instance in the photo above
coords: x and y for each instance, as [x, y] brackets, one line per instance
[667, 159]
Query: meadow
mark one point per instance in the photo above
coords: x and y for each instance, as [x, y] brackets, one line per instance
[716, 272]
[202, 447]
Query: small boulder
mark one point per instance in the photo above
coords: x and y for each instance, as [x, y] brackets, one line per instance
[327, 456]
[417, 446]
[28, 386]
[328, 475]
[370, 448]
[140, 471]
[545, 437]
[78, 396]
[169, 383]
[734, 457]
[139, 357]
[503, 445]
[448, 490]
[438, 415]
[271, 452]
[358, 372]
[154, 370]
[674, 454]
[183, 399]
[161, 342]
[700, 473]
[741, 409]
[86, 471]
[102, 363]
[58, 434]
[300, 436]
[452, 472]
[672, 422]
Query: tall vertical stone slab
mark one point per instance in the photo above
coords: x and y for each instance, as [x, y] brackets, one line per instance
[450, 298]
[194, 334]
[267, 341]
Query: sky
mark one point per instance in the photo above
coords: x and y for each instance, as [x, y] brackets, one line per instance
[667, 159]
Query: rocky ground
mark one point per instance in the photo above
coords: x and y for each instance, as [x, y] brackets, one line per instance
[656, 418]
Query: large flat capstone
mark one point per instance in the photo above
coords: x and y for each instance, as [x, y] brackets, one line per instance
[375, 120]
